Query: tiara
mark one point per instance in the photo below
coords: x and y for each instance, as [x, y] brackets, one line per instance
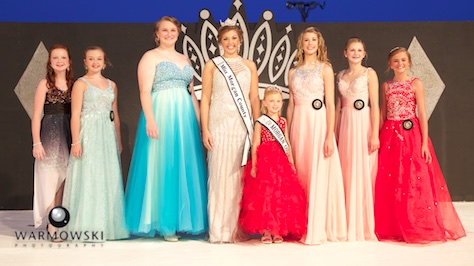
[274, 88]
[228, 22]
[394, 49]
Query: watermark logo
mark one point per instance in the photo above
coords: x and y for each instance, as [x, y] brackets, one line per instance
[59, 217]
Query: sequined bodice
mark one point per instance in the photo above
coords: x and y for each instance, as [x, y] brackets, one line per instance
[401, 101]
[168, 75]
[307, 83]
[357, 89]
[266, 135]
[96, 100]
[57, 102]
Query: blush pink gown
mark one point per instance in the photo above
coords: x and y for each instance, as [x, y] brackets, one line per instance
[321, 178]
[359, 168]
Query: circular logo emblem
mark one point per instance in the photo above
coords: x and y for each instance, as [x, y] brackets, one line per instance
[59, 216]
[407, 124]
[111, 115]
[359, 104]
[317, 104]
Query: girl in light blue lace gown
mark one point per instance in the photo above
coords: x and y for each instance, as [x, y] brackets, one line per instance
[166, 188]
[93, 193]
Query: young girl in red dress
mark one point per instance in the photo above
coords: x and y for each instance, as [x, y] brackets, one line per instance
[412, 201]
[273, 202]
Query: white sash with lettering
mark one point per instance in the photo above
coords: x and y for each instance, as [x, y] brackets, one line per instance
[276, 131]
[239, 100]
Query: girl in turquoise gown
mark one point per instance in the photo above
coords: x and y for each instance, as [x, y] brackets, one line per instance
[93, 193]
[166, 187]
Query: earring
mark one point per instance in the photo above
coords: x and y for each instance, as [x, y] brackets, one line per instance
[67, 68]
[221, 49]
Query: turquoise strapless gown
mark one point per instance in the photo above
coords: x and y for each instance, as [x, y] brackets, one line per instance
[93, 192]
[166, 188]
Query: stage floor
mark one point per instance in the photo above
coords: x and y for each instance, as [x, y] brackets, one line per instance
[156, 251]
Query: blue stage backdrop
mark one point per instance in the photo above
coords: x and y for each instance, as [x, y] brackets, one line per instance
[143, 11]
[439, 36]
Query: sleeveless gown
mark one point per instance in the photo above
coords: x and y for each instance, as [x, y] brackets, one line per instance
[321, 178]
[359, 168]
[412, 201]
[274, 199]
[93, 192]
[56, 139]
[225, 172]
[166, 187]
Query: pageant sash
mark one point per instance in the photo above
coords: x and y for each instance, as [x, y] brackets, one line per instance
[276, 131]
[239, 100]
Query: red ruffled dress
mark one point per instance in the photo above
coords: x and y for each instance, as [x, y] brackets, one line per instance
[412, 201]
[274, 200]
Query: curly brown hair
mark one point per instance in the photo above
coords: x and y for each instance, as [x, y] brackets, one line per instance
[51, 76]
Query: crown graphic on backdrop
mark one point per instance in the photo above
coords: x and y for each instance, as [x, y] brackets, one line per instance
[272, 51]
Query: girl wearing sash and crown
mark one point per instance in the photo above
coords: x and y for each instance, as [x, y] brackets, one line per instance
[412, 201]
[273, 202]
[229, 101]
[311, 118]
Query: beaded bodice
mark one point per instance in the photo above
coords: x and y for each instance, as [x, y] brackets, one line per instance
[266, 135]
[96, 100]
[307, 83]
[401, 101]
[57, 102]
[168, 75]
[358, 88]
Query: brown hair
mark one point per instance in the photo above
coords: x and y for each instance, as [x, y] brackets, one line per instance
[50, 75]
[93, 47]
[395, 51]
[321, 52]
[271, 91]
[156, 26]
[224, 29]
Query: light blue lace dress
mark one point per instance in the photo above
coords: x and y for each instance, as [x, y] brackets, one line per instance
[93, 193]
[166, 187]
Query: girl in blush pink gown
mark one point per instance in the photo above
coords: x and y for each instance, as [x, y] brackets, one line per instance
[312, 138]
[412, 201]
[358, 140]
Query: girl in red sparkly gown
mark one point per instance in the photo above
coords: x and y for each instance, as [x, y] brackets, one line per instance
[273, 201]
[412, 201]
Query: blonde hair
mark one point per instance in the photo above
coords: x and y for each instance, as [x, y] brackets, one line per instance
[272, 90]
[321, 52]
[156, 26]
[394, 52]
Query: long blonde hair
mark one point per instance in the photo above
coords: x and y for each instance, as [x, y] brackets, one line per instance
[321, 52]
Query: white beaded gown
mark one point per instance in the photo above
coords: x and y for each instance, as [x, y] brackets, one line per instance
[225, 172]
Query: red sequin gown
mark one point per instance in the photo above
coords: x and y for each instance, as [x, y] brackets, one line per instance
[274, 200]
[412, 201]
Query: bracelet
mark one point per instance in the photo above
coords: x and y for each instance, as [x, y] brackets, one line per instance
[37, 143]
[74, 144]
